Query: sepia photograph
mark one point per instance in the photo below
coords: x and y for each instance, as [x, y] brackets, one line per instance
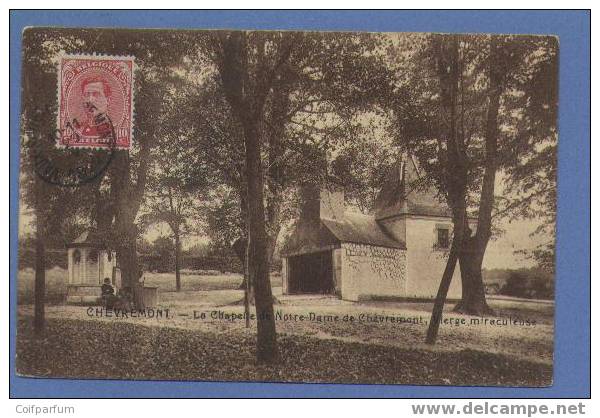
[287, 206]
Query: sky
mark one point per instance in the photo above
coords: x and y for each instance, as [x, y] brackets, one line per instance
[500, 251]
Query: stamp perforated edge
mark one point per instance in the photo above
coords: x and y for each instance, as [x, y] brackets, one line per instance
[62, 55]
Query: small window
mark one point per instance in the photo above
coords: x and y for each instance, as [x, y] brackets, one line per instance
[443, 238]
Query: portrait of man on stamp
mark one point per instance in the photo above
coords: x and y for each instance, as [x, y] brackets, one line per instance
[96, 96]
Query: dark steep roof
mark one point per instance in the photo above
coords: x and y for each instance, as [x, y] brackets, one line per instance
[412, 208]
[361, 229]
[405, 193]
[309, 237]
[88, 238]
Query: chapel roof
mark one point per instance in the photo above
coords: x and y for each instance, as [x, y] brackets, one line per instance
[327, 233]
[361, 229]
[405, 192]
[88, 238]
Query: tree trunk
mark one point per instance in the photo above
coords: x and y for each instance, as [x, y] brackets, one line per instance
[258, 260]
[126, 202]
[272, 243]
[40, 259]
[130, 271]
[240, 247]
[464, 273]
[40, 281]
[473, 300]
[248, 289]
[440, 299]
[177, 262]
[127, 253]
[276, 173]
[456, 174]
[247, 98]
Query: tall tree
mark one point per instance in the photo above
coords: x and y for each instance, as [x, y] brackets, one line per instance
[311, 106]
[283, 91]
[283, 95]
[173, 194]
[473, 248]
[515, 131]
[478, 93]
[55, 208]
[112, 200]
[246, 83]
[169, 202]
[127, 177]
[455, 167]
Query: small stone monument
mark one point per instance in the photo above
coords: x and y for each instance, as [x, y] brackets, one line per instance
[89, 262]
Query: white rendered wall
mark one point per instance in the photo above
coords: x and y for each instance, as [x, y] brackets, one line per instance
[425, 263]
[336, 259]
[70, 266]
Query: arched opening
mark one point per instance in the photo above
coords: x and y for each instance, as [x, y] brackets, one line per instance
[91, 268]
[77, 266]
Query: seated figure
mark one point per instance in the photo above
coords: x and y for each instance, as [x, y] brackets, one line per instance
[108, 294]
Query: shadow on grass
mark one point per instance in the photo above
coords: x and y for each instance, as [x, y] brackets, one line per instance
[89, 349]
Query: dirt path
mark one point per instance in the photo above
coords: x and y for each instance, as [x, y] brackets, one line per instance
[401, 325]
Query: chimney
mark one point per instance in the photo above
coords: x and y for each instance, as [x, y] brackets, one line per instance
[332, 204]
[309, 204]
[317, 204]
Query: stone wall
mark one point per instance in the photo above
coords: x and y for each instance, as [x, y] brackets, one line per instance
[372, 271]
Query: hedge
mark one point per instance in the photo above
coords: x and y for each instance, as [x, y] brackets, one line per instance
[149, 262]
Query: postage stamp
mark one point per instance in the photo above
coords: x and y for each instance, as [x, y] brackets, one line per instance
[95, 101]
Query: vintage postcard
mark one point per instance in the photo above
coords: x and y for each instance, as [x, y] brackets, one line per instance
[280, 206]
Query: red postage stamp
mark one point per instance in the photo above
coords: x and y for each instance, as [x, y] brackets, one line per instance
[95, 101]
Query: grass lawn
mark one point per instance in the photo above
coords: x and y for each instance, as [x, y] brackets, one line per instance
[75, 349]
[56, 284]
[182, 347]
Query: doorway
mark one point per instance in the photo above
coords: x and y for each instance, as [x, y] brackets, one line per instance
[311, 273]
